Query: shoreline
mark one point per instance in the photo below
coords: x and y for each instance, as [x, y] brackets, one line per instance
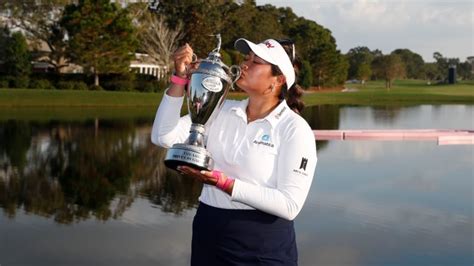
[403, 93]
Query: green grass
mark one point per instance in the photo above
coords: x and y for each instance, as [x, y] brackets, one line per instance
[76, 113]
[70, 98]
[56, 104]
[406, 92]
[28, 104]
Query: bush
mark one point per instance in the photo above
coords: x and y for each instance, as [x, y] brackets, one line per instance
[42, 84]
[65, 85]
[150, 86]
[4, 82]
[119, 85]
[96, 88]
[72, 85]
[20, 82]
[162, 84]
[80, 86]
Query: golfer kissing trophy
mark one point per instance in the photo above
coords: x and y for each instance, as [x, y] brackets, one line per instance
[205, 95]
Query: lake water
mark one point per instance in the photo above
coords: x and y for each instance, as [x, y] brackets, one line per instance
[95, 192]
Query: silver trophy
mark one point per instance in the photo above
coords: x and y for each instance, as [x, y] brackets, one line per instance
[206, 93]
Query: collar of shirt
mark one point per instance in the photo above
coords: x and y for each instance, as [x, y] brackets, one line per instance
[273, 118]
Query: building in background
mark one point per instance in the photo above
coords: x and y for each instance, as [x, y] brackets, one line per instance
[144, 64]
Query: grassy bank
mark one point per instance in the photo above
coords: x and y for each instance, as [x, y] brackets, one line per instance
[61, 104]
[406, 92]
[28, 104]
[72, 98]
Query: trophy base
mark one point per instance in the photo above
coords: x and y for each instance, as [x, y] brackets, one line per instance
[189, 155]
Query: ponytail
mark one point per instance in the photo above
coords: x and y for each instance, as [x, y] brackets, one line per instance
[293, 99]
[293, 95]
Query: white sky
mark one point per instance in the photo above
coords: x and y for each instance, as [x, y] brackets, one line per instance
[423, 26]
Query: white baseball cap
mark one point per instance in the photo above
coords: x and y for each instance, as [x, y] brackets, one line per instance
[272, 52]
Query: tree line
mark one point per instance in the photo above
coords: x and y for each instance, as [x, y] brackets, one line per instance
[365, 64]
[103, 37]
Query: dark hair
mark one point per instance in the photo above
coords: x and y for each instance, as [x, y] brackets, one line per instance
[293, 94]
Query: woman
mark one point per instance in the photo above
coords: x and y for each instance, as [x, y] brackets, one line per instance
[265, 158]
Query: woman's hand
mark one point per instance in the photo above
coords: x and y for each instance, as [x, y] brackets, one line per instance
[182, 58]
[203, 176]
[206, 177]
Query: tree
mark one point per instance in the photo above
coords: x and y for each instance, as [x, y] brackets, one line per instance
[157, 39]
[357, 57]
[200, 19]
[444, 63]
[244, 19]
[57, 43]
[306, 75]
[431, 72]
[250, 22]
[101, 37]
[465, 71]
[239, 23]
[4, 38]
[17, 59]
[389, 67]
[413, 62]
[315, 44]
[39, 21]
[329, 65]
[364, 72]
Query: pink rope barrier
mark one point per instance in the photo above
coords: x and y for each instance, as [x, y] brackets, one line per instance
[442, 136]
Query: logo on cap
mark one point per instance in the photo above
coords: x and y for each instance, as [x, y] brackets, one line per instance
[269, 44]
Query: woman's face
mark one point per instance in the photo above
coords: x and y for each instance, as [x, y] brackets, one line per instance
[256, 75]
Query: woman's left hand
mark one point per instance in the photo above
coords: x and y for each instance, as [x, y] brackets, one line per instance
[203, 176]
[226, 184]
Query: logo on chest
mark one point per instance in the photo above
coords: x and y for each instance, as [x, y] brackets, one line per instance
[265, 140]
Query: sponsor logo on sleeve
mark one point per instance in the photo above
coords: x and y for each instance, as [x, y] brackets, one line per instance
[303, 164]
[302, 169]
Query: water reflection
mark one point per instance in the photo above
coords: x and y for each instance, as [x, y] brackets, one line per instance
[73, 171]
[411, 202]
[322, 117]
[386, 114]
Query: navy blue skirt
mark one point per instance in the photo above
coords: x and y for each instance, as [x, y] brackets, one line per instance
[241, 237]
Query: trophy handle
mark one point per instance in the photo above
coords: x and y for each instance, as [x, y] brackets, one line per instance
[235, 73]
[194, 60]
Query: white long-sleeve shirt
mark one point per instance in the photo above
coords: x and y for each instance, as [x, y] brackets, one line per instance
[272, 160]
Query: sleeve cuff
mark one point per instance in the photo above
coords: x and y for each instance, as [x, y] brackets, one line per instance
[237, 190]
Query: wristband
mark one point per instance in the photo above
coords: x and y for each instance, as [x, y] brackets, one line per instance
[227, 184]
[218, 176]
[179, 80]
[223, 182]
